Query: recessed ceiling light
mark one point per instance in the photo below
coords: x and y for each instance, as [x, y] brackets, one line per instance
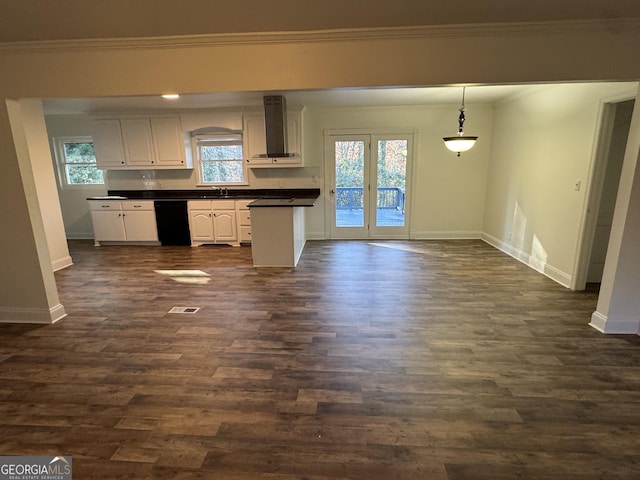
[171, 96]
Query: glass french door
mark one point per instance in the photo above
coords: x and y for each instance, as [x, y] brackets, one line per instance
[368, 185]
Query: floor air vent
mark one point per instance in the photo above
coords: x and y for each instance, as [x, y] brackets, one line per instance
[184, 309]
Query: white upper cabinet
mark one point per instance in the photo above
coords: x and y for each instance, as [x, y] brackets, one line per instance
[107, 143]
[168, 141]
[255, 144]
[255, 141]
[140, 143]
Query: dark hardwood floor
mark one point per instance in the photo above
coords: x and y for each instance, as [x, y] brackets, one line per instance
[370, 360]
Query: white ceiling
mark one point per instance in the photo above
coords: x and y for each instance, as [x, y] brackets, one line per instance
[311, 98]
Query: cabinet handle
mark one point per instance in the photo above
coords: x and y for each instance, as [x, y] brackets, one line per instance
[105, 206]
[137, 206]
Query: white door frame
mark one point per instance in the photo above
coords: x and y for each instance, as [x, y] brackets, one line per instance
[374, 135]
[597, 170]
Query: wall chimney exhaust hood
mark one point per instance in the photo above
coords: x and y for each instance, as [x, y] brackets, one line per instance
[275, 119]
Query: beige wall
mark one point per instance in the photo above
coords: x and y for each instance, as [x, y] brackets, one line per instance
[491, 54]
[543, 143]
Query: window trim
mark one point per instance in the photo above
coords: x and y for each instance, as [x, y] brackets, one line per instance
[197, 137]
[58, 144]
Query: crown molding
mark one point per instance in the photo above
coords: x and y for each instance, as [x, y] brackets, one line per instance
[610, 26]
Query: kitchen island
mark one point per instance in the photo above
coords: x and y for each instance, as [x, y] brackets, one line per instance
[278, 232]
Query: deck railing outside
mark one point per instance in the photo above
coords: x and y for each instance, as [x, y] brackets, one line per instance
[388, 197]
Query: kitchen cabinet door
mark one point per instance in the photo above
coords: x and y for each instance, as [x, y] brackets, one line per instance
[108, 226]
[168, 141]
[224, 226]
[294, 132]
[255, 140]
[107, 143]
[140, 226]
[138, 144]
[201, 226]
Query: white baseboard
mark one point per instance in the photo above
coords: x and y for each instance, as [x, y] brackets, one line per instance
[80, 236]
[61, 263]
[550, 271]
[605, 324]
[32, 315]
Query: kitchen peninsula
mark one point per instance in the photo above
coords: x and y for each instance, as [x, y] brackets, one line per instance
[278, 232]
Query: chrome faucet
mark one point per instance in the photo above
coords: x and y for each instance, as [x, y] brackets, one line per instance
[224, 191]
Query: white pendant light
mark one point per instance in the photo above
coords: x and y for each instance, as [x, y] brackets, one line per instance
[460, 142]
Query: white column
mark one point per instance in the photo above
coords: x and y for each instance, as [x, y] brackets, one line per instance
[618, 309]
[30, 128]
[29, 293]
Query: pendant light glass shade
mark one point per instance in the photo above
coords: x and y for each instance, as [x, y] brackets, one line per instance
[460, 142]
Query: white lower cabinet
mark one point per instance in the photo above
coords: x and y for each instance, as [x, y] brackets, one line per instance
[243, 215]
[140, 225]
[123, 221]
[134, 221]
[108, 226]
[213, 221]
[200, 223]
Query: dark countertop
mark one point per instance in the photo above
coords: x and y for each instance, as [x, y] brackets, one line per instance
[298, 194]
[283, 202]
[107, 197]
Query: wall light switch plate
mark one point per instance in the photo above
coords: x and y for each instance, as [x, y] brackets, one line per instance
[577, 185]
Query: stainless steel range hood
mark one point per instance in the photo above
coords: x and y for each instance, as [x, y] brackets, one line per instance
[275, 118]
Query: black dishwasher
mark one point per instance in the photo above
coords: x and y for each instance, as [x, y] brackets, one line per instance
[172, 221]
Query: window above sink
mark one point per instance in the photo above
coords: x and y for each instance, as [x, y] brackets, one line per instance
[219, 159]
